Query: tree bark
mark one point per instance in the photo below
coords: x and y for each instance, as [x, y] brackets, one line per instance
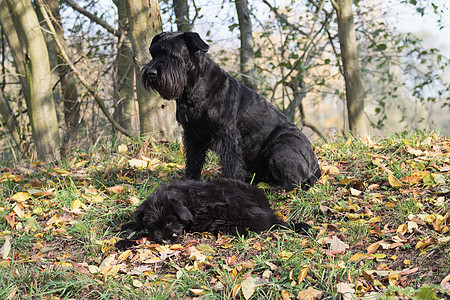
[181, 10]
[41, 107]
[10, 121]
[68, 83]
[247, 64]
[14, 44]
[352, 72]
[156, 116]
[124, 81]
[67, 60]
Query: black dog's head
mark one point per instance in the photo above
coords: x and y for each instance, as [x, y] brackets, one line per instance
[163, 215]
[173, 55]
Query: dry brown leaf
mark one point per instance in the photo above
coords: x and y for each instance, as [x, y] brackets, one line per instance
[347, 290]
[336, 245]
[310, 294]
[373, 247]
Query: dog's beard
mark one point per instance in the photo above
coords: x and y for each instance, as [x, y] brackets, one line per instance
[169, 82]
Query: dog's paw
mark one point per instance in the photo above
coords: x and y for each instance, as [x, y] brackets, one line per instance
[129, 225]
[302, 228]
[125, 244]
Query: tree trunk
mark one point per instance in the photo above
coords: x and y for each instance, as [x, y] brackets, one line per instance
[181, 9]
[246, 51]
[352, 72]
[156, 116]
[68, 82]
[124, 82]
[41, 108]
[10, 121]
[14, 43]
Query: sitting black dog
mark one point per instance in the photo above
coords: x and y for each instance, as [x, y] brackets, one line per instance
[225, 205]
[218, 113]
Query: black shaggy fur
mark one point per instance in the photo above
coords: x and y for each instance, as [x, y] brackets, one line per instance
[218, 113]
[224, 205]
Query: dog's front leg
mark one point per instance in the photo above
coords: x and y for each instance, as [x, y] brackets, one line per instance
[195, 156]
[228, 147]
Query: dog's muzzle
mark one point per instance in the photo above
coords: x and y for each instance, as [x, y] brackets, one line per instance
[150, 72]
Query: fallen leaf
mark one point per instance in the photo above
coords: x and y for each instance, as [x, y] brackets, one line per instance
[336, 245]
[332, 170]
[446, 279]
[122, 148]
[394, 182]
[21, 196]
[302, 275]
[19, 211]
[310, 294]
[6, 248]
[373, 247]
[115, 189]
[285, 295]
[346, 290]
[248, 287]
[358, 256]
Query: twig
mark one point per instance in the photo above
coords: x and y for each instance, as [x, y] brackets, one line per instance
[91, 90]
[94, 18]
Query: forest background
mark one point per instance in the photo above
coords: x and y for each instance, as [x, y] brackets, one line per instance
[289, 51]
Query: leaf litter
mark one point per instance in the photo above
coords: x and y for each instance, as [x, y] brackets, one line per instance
[382, 230]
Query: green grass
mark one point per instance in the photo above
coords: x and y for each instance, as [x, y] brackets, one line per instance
[61, 242]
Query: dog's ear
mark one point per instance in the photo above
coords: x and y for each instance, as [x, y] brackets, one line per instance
[194, 40]
[182, 212]
[157, 38]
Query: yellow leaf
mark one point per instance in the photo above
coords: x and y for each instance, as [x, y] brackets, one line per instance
[373, 247]
[21, 196]
[420, 245]
[302, 275]
[330, 170]
[124, 255]
[60, 171]
[285, 255]
[394, 182]
[235, 290]
[122, 148]
[19, 212]
[76, 204]
[358, 256]
[346, 180]
[407, 262]
[374, 220]
[285, 295]
[393, 279]
[403, 228]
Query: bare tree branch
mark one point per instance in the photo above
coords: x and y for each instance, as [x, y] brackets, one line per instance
[91, 90]
[94, 18]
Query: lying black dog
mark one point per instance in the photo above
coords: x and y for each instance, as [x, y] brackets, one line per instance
[218, 113]
[225, 205]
